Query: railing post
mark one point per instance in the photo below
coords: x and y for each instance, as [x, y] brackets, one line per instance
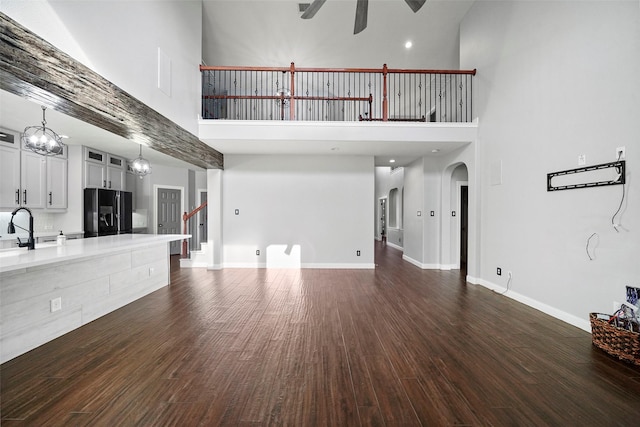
[184, 231]
[293, 92]
[385, 101]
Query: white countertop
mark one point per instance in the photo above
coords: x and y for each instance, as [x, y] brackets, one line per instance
[50, 253]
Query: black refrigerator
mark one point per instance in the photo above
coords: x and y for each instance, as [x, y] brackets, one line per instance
[107, 212]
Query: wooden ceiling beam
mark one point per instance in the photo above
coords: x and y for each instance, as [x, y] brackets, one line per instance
[33, 68]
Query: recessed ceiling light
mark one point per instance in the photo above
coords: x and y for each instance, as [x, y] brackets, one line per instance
[392, 161]
[335, 148]
[64, 136]
[435, 150]
[408, 44]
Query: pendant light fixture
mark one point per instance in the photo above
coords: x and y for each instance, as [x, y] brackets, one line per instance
[42, 140]
[140, 166]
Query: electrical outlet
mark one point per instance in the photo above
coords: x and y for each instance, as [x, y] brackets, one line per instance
[357, 253]
[56, 304]
[151, 270]
[499, 271]
[621, 153]
[582, 159]
[258, 252]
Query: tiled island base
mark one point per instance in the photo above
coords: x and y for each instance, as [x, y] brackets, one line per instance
[40, 303]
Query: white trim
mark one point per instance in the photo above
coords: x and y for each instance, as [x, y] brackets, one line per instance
[427, 266]
[394, 246]
[421, 265]
[473, 280]
[412, 261]
[367, 266]
[156, 187]
[578, 322]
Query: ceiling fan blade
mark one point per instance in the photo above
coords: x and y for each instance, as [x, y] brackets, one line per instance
[362, 8]
[415, 5]
[312, 9]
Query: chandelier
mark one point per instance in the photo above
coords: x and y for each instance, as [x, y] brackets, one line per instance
[283, 95]
[42, 140]
[140, 166]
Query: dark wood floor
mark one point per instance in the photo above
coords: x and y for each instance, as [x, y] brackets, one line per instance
[397, 346]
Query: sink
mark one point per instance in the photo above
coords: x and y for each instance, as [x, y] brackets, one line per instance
[8, 252]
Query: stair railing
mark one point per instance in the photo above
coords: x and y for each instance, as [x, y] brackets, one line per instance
[185, 218]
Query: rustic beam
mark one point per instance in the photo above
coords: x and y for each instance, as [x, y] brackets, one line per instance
[33, 68]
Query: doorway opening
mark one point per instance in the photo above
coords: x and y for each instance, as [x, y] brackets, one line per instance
[382, 222]
[464, 226]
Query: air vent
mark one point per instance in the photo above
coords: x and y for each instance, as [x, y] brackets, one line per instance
[8, 137]
[303, 6]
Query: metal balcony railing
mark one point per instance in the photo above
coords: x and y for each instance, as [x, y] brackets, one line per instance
[336, 94]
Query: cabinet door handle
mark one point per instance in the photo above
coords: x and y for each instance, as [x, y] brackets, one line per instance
[109, 184]
[24, 197]
[50, 198]
[18, 196]
[104, 183]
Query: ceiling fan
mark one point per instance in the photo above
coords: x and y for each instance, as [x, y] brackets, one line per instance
[361, 11]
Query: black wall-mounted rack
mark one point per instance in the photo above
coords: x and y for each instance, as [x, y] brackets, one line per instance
[620, 179]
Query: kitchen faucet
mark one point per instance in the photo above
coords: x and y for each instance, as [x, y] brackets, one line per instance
[11, 229]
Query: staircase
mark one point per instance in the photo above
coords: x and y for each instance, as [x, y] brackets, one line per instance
[197, 258]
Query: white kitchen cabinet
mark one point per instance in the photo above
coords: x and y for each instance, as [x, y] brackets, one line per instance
[57, 183]
[116, 173]
[102, 170]
[9, 178]
[95, 170]
[95, 175]
[33, 180]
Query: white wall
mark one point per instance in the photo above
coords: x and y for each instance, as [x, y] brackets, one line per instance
[414, 202]
[120, 40]
[308, 211]
[556, 80]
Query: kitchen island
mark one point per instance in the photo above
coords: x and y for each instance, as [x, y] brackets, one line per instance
[52, 290]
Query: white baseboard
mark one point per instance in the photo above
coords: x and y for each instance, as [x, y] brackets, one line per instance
[394, 246]
[428, 266]
[413, 261]
[578, 322]
[344, 266]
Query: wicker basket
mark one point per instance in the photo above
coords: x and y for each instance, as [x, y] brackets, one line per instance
[618, 342]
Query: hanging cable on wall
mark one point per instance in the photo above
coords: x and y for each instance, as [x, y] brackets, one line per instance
[591, 258]
[620, 171]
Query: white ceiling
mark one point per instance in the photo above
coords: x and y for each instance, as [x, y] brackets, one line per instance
[271, 33]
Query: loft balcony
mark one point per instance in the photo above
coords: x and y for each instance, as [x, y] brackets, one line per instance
[336, 95]
[265, 110]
